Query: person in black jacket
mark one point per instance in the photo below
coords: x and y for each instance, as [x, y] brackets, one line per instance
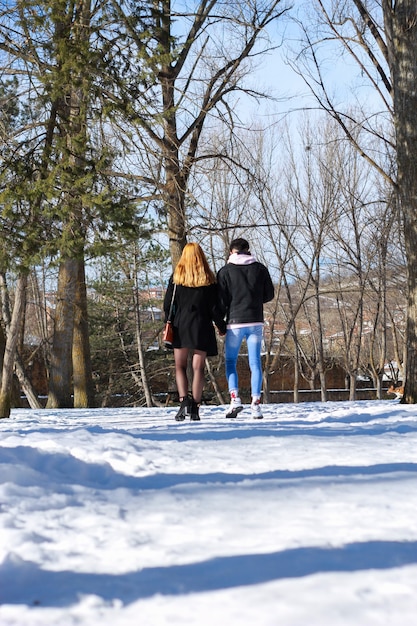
[194, 311]
[244, 286]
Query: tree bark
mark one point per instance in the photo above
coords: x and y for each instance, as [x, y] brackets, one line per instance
[60, 381]
[174, 185]
[139, 342]
[71, 305]
[81, 357]
[12, 336]
[401, 27]
[26, 384]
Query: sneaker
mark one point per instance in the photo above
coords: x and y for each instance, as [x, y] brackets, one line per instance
[255, 408]
[185, 409]
[235, 407]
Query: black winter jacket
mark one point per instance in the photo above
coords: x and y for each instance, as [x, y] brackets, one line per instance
[243, 290]
[195, 310]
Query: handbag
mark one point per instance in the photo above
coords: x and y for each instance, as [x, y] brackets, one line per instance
[168, 334]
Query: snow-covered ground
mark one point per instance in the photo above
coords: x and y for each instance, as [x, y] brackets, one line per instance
[119, 517]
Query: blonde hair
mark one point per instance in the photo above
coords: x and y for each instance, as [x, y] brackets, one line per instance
[193, 269]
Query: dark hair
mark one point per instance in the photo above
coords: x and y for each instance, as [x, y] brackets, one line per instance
[240, 245]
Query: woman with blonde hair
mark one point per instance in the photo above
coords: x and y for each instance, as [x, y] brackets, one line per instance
[194, 311]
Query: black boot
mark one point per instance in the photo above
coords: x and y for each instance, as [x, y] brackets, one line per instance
[184, 410]
[194, 415]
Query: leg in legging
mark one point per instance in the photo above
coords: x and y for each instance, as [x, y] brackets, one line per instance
[181, 359]
[199, 361]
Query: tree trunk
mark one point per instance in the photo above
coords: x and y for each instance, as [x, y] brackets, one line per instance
[320, 349]
[81, 356]
[323, 387]
[12, 336]
[174, 191]
[296, 387]
[401, 27]
[71, 298]
[26, 384]
[60, 382]
[139, 343]
[379, 387]
[266, 385]
[352, 386]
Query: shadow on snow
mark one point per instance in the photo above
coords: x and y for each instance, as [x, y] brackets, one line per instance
[25, 583]
[26, 467]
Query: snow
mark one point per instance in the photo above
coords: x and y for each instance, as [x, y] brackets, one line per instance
[119, 517]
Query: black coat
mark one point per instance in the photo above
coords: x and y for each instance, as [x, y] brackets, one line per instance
[195, 310]
[243, 290]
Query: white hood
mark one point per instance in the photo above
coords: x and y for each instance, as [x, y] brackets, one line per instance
[241, 259]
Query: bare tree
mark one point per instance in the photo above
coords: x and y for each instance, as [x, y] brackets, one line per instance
[382, 248]
[382, 38]
[195, 62]
[313, 192]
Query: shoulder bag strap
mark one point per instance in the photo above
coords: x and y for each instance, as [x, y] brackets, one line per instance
[172, 304]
